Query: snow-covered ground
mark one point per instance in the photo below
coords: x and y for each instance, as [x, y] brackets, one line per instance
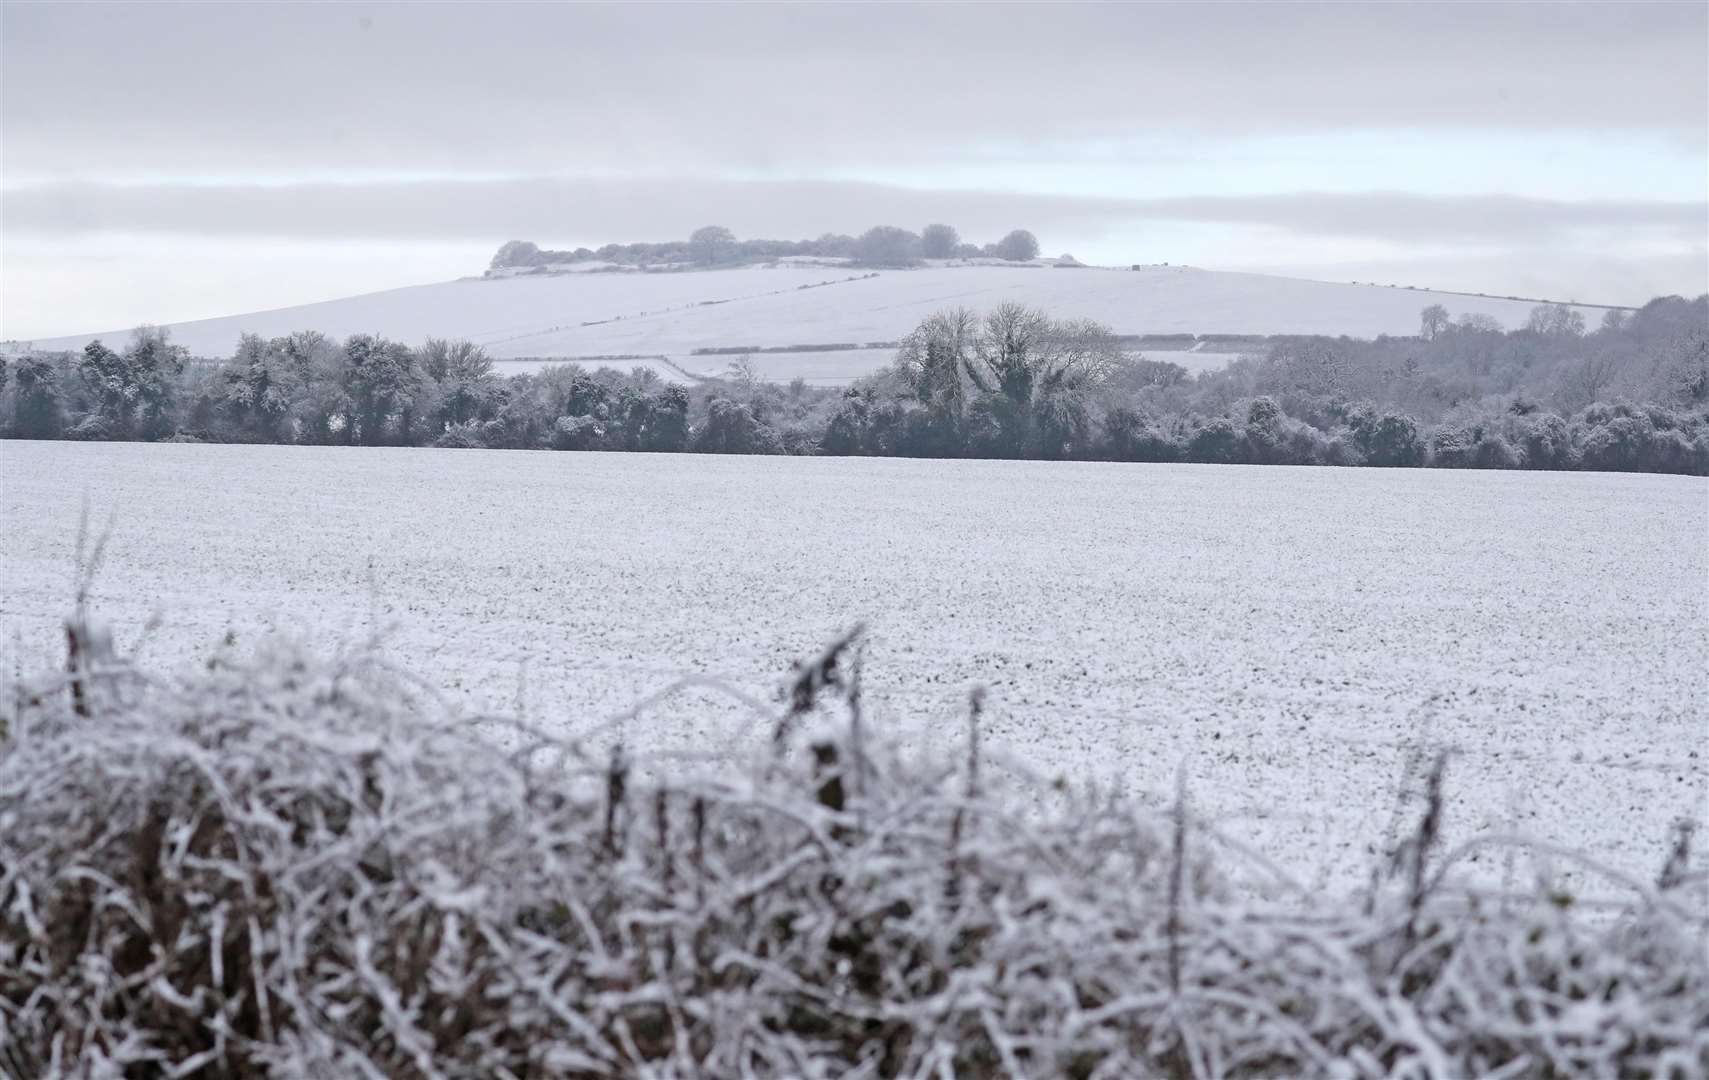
[816, 367]
[1282, 634]
[833, 368]
[672, 314]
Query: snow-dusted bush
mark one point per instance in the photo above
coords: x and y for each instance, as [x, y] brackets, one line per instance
[93, 427]
[465, 436]
[578, 433]
[296, 867]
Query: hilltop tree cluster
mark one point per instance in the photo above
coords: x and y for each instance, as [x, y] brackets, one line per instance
[1632, 395]
[715, 245]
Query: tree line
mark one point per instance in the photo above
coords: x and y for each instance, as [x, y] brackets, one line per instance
[1014, 382]
[1631, 396]
[715, 245]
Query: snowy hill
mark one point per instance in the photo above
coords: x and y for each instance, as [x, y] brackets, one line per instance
[671, 315]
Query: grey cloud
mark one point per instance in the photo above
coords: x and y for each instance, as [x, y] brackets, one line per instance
[594, 211]
[253, 88]
[590, 211]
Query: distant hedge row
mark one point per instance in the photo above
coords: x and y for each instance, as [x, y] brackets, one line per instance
[1010, 383]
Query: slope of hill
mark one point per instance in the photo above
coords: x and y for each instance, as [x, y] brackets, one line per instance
[670, 315]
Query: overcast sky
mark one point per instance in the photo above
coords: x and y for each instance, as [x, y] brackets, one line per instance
[166, 162]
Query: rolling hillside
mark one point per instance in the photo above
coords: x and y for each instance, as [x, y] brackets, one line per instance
[668, 316]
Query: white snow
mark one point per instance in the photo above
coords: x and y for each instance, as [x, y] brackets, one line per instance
[671, 314]
[1287, 634]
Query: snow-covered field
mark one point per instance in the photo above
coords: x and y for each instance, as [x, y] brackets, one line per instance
[838, 367]
[832, 368]
[1282, 634]
[671, 314]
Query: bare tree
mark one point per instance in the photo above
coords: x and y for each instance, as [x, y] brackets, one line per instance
[1318, 366]
[932, 357]
[1020, 352]
[743, 373]
[462, 376]
[1685, 369]
[1018, 246]
[1585, 381]
[886, 245]
[1555, 320]
[938, 241]
[1013, 350]
[712, 242]
[458, 359]
[1432, 321]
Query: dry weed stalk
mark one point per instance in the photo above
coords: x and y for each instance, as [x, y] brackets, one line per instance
[291, 868]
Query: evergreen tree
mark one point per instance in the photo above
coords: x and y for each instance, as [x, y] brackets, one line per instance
[38, 411]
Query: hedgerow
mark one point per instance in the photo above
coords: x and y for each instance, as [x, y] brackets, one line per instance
[1633, 396]
[305, 867]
